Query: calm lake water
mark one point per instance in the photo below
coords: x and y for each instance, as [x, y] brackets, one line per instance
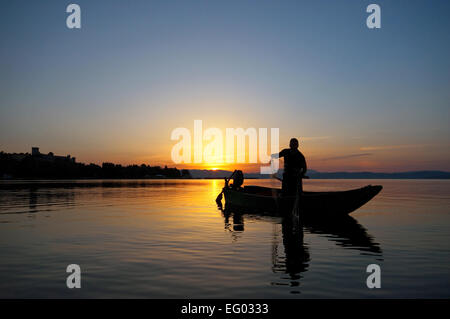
[168, 239]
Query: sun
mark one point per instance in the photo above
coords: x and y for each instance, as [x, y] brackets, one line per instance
[214, 166]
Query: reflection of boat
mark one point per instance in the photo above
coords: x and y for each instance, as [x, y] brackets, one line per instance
[295, 260]
[346, 232]
[257, 198]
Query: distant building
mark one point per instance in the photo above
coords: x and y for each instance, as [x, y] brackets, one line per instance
[35, 151]
[50, 156]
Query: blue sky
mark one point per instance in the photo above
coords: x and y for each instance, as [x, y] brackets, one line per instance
[136, 70]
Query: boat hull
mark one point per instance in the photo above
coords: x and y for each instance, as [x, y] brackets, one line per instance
[264, 199]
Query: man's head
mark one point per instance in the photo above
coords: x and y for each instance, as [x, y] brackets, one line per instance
[293, 143]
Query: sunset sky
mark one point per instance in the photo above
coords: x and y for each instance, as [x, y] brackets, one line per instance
[357, 99]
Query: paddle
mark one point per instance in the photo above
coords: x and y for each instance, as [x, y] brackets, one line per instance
[219, 197]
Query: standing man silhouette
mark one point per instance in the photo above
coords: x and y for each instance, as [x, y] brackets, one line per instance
[294, 168]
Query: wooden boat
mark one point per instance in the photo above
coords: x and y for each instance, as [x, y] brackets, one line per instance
[312, 204]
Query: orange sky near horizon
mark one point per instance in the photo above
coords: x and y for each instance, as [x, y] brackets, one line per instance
[323, 153]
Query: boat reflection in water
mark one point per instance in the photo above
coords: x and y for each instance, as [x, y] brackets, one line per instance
[293, 259]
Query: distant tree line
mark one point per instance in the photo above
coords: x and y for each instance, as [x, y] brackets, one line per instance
[30, 166]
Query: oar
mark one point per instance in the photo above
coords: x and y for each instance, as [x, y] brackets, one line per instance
[219, 197]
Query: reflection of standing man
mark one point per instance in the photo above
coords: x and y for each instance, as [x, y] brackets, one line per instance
[295, 251]
[294, 167]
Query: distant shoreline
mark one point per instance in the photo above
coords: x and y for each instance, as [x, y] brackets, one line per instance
[212, 178]
[333, 175]
[38, 166]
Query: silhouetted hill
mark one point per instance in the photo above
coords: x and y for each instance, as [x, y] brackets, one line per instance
[371, 175]
[205, 173]
[195, 173]
[219, 174]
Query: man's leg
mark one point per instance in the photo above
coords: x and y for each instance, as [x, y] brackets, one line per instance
[285, 184]
[291, 185]
[300, 184]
